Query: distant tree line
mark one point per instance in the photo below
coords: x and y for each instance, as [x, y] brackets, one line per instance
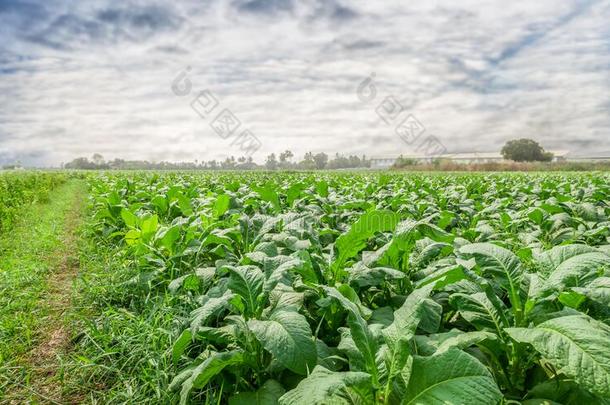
[14, 166]
[282, 161]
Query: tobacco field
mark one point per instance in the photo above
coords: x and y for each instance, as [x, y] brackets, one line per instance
[318, 288]
[391, 289]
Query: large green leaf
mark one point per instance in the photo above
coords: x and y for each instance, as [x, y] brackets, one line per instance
[268, 394]
[577, 346]
[416, 311]
[268, 193]
[442, 276]
[578, 270]
[247, 282]
[431, 316]
[441, 342]
[181, 344]
[598, 290]
[324, 387]
[360, 331]
[561, 391]
[503, 265]
[223, 201]
[288, 337]
[362, 276]
[129, 218]
[480, 311]
[405, 234]
[407, 317]
[353, 241]
[551, 259]
[208, 369]
[280, 273]
[210, 307]
[452, 377]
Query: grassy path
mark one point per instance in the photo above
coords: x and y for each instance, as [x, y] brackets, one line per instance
[38, 261]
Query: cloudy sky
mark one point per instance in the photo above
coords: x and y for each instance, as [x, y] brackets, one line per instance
[79, 77]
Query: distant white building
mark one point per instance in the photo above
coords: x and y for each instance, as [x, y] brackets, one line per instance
[382, 162]
[593, 158]
[385, 162]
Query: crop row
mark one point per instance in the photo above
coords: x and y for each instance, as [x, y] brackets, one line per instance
[20, 189]
[303, 289]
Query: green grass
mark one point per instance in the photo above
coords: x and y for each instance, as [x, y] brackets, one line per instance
[28, 254]
[121, 355]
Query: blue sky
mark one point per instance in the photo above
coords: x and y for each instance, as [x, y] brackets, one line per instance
[79, 77]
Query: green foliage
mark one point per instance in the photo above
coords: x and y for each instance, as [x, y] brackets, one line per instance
[405, 162]
[300, 288]
[268, 394]
[20, 189]
[525, 150]
[287, 336]
[452, 377]
[35, 246]
[576, 346]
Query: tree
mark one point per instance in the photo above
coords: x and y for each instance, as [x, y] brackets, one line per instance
[285, 159]
[339, 162]
[81, 163]
[404, 162]
[246, 163]
[228, 164]
[308, 162]
[525, 150]
[321, 160]
[286, 156]
[271, 162]
[97, 159]
[14, 166]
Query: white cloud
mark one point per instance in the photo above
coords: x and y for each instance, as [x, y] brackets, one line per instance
[96, 77]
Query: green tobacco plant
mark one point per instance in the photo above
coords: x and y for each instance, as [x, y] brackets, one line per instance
[300, 288]
[18, 190]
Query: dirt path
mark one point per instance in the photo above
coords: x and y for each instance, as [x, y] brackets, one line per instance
[41, 364]
[55, 341]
